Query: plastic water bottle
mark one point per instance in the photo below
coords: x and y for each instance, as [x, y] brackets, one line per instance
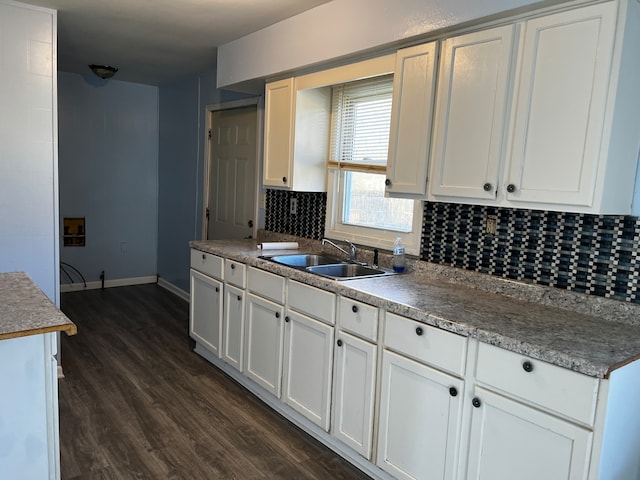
[398, 256]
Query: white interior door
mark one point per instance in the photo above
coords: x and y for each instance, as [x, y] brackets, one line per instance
[232, 174]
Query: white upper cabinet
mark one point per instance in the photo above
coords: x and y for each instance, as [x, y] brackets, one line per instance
[412, 111]
[278, 132]
[559, 142]
[471, 110]
[543, 114]
[296, 141]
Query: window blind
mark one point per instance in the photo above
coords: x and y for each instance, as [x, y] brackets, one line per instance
[360, 124]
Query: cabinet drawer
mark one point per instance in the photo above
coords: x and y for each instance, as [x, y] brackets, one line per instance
[267, 285]
[569, 393]
[206, 263]
[427, 344]
[235, 273]
[358, 318]
[312, 301]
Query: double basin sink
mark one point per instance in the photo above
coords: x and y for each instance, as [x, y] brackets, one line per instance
[327, 266]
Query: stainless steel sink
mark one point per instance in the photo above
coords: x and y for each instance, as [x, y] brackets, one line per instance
[303, 260]
[327, 266]
[344, 271]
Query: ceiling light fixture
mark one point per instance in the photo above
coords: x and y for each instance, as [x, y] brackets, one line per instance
[103, 71]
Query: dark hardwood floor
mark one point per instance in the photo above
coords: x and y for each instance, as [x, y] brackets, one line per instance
[137, 403]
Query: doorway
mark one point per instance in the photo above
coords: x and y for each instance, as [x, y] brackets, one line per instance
[232, 168]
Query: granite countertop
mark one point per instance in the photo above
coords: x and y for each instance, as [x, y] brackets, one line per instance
[503, 314]
[25, 310]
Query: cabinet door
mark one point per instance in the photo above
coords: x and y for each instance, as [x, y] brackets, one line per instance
[420, 411]
[263, 343]
[205, 311]
[278, 133]
[233, 326]
[470, 113]
[354, 392]
[412, 110]
[560, 106]
[308, 362]
[510, 440]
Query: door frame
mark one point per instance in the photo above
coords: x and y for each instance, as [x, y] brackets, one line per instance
[209, 110]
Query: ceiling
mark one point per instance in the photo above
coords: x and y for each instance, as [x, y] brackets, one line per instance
[158, 42]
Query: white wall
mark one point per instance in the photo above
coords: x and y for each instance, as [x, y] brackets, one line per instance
[28, 231]
[28, 145]
[343, 29]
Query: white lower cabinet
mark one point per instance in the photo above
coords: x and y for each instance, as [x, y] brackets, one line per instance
[354, 392]
[512, 440]
[420, 412]
[263, 343]
[529, 419]
[354, 383]
[233, 331]
[205, 311]
[406, 408]
[308, 362]
[308, 351]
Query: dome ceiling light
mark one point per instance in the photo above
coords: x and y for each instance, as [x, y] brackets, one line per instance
[103, 71]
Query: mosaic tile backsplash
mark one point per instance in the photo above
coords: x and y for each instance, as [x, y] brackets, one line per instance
[592, 254]
[309, 220]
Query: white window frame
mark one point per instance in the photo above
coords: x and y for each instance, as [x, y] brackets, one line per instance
[369, 236]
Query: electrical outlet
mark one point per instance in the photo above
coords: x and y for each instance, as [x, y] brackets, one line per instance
[492, 225]
[293, 206]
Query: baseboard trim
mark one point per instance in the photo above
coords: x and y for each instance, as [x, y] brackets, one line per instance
[118, 282]
[173, 289]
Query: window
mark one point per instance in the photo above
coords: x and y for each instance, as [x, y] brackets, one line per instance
[357, 207]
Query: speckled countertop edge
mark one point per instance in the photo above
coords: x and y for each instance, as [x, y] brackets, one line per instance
[25, 310]
[590, 344]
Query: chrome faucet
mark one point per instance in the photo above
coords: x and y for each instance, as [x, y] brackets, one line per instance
[353, 250]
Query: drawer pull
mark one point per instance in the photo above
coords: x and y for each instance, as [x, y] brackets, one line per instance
[204, 257]
[419, 331]
[233, 267]
[339, 342]
[239, 297]
[476, 402]
[286, 319]
[354, 309]
[527, 366]
[511, 188]
[487, 187]
[284, 179]
[217, 289]
[277, 314]
[453, 391]
[387, 182]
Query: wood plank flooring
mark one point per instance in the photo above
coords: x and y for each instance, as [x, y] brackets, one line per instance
[137, 403]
